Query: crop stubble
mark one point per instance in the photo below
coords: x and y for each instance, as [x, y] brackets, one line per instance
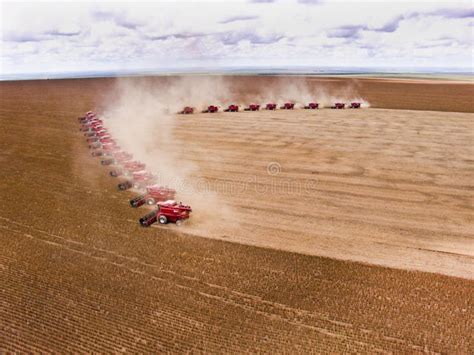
[77, 273]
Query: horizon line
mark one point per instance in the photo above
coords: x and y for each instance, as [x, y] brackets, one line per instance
[277, 71]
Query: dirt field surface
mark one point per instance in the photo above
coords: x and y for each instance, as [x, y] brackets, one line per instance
[387, 187]
[381, 186]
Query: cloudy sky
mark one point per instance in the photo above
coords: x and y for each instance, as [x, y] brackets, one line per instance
[41, 37]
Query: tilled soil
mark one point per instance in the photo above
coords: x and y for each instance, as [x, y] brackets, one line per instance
[77, 273]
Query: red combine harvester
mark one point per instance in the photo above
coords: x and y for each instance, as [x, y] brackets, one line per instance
[187, 111]
[232, 108]
[338, 106]
[252, 107]
[154, 194]
[88, 116]
[288, 106]
[271, 107]
[128, 167]
[83, 120]
[312, 106]
[96, 125]
[105, 144]
[100, 142]
[96, 133]
[354, 105]
[100, 153]
[91, 120]
[103, 138]
[107, 150]
[93, 126]
[118, 158]
[211, 109]
[139, 179]
[169, 211]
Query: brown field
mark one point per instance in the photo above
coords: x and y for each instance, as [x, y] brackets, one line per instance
[378, 186]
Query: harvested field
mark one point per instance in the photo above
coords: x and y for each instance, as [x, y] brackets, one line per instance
[381, 186]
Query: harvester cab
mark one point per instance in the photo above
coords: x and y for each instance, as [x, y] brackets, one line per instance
[271, 107]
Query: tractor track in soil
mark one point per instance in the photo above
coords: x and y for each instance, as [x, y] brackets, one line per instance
[393, 188]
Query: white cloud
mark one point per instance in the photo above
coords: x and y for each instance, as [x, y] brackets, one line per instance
[39, 37]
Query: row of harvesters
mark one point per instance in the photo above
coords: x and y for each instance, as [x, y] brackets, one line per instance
[270, 106]
[341, 105]
[135, 175]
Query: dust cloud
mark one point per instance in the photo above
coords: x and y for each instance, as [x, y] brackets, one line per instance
[288, 89]
[141, 116]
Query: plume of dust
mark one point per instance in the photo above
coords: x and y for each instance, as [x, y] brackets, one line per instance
[348, 93]
[299, 91]
[141, 117]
